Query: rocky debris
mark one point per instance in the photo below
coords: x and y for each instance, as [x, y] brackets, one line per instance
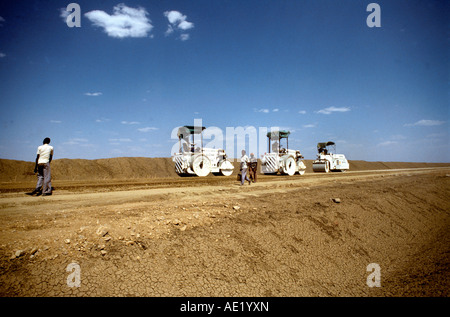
[102, 231]
[236, 207]
[176, 222]
[336, 200]
[17, 254]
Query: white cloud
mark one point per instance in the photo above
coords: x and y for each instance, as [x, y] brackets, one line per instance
[124, 22]
[147, 129]
[425, 123]
[63, 13]
[302, 112]
[93, 94]
[387, 143]
[330, 110]
[185, 25]
[178, 22]
[55, 121]
[120, 140]
[309, 126]
[130, 122]
[169, 30]
[265, 110]
[184, 37]
[77, 141]
[2, 55]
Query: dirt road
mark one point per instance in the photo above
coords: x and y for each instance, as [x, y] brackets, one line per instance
[310, 235]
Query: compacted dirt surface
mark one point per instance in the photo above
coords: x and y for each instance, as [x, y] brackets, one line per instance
[300, 236]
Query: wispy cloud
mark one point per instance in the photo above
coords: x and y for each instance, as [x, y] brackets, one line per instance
[55, 121]
[93, 94]
[307, 126]
[302, 112]
[101, 120]
[178, 22]
[63, 13]
[78, 141]
[2, 20]
[147, 129]
[184, 37]
[265, 110]
[436, 135]
[120, 140]
[387, 143]
[2, 55]
[398, 137]
[330, 110]
[425, 123]
[129, 122]
[124, 22]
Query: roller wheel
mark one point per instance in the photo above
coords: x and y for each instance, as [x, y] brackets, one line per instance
[226, 168]
[289, 166]
[201, 166]
[327, 167]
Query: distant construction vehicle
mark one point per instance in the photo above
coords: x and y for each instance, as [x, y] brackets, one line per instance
[200, 161]
[281, 159]
[327, 159]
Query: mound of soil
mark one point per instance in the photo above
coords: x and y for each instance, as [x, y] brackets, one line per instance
[143, 168]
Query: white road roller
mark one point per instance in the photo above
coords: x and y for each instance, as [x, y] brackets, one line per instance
[327, 159]
[281, 159]
[197, 160]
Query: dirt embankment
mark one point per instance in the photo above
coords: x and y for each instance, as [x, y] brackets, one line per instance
[142, 168]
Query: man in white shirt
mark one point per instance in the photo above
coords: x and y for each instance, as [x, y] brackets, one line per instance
[43, 158]
[244, 162]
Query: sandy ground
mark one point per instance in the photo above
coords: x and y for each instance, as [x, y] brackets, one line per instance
[310, 235]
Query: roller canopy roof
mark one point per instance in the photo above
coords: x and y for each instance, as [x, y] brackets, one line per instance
[278, 134]
[187, 130]
[324, 144]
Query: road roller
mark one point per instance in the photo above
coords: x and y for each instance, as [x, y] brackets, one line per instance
[327, 159]
[194, 159]
[279, 158]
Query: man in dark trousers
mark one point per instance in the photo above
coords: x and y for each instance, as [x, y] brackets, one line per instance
[43, 158]
[253, 167]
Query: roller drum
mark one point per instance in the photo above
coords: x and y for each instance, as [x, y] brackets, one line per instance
[321, 167]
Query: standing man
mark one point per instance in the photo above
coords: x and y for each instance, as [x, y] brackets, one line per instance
[244, 162]
[253, 167]
[43, 158]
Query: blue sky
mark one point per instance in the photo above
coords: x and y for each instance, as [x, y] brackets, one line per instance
[313, 67]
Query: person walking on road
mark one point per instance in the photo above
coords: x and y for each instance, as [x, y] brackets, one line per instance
[42, 167]
[253, 167]
[244, 166]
